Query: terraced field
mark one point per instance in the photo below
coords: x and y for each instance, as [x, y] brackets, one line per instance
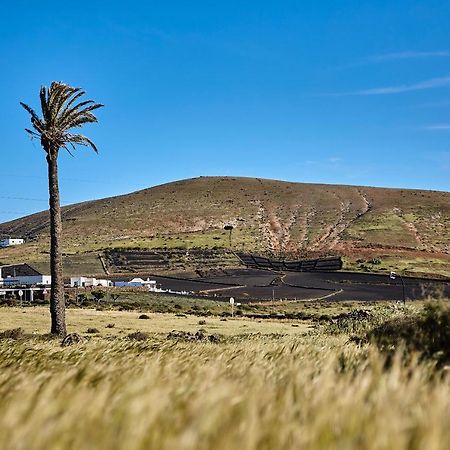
[374, 229]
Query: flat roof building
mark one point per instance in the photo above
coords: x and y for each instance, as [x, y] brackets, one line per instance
[89, 282]
[9, 242]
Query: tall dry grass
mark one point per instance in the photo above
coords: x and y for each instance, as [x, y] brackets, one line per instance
[258, 392]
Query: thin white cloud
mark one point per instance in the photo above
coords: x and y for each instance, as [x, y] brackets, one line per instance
[398, 56]
[439, 126]
[405, 55]
[387, 90]
[438, 104]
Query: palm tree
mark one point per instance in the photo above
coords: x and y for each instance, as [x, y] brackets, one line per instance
[60, 113]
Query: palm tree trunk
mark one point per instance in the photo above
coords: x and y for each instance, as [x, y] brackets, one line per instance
[57, 301]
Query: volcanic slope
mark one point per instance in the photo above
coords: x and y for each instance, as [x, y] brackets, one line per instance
[373, 228]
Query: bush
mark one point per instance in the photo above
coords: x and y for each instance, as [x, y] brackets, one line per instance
[98, 294]
[15, 333]
[72, 339]
[92, 331]
[138, 336]
[200, 335]
[81, 299]
[427, 332]
[144, 316]
[357, 321]
[8, 301]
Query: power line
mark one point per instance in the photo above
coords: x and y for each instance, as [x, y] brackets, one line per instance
[23, 198]
[63, 179]
[15, 212]
[64, 201]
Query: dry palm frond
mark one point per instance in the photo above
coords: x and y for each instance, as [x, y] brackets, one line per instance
[61, 113]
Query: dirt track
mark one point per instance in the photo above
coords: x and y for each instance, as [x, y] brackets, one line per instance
[253, 284]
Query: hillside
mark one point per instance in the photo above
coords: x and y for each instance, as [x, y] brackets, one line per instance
[373, 228]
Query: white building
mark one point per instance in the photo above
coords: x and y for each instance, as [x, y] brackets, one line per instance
[22, 275]
[89, 282]
[33, 280]
[8, 242]
[137, 282]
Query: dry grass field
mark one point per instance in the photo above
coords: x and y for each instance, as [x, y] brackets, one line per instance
[36, 320]
[261, 385]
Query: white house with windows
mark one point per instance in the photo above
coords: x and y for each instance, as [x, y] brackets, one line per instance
[9, 242]
[89, 282]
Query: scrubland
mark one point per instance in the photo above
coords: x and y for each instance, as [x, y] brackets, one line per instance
[398, 228]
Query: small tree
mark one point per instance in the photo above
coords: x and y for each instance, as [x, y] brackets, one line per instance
[98, 295]
[60, 113]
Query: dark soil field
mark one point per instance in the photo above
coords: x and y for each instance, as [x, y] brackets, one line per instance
[253, 285]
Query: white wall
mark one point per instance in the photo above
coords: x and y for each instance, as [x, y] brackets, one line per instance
[8, 242]
[77, 281]
[45, 280]
[88, 282]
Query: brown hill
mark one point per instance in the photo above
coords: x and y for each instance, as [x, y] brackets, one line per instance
[374, 228]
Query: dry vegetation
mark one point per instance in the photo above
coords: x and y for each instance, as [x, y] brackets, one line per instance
[36, 320]
[361, 223]
[316, 387]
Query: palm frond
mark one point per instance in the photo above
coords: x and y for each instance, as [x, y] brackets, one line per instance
[43, 96]
[30, 110]
[81, 119]
[59, 95]
[78, 92]
[77, 112]
[37, 123]
[79, 139]
[60, 113]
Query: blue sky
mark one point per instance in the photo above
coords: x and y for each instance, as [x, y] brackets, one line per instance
[348, 92]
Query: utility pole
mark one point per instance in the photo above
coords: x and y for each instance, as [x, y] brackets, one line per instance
[393, 276]
[229, 227]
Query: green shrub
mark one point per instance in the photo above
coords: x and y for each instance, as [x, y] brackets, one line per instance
[427, 332]
[355, 321]
[98, 294]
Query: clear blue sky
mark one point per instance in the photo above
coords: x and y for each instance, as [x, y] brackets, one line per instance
[353, 92]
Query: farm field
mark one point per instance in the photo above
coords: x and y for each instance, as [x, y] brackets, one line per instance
[180, 225]
[249, 285]
[259, 384]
